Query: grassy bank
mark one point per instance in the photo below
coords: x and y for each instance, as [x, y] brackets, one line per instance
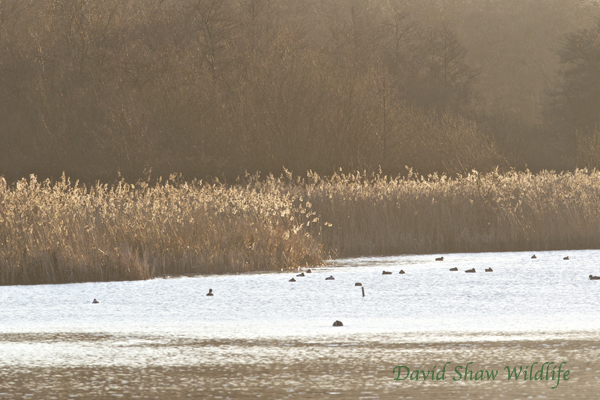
[63, 232]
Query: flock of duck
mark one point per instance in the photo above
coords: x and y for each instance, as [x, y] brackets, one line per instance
[331, 278]
[469, 271]
[592, 277]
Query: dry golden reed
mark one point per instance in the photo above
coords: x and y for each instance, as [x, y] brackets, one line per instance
[63, 232]
[51, 233]
[474, 213]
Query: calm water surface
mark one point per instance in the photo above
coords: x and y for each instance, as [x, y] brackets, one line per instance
[262, 322]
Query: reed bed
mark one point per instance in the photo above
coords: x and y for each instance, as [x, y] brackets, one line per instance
[64, 232]
[474, 213]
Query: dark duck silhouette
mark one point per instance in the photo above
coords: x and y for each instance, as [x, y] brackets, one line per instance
[210, 293]
[533, 256]
[386, 273]
[489, 270]
[96, 301]
[401, 271]
[330, 278]
[594, 278]
[439, 259]
[454, 269]
[472, 270]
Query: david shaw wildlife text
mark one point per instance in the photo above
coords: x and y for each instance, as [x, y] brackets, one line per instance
[545, 372]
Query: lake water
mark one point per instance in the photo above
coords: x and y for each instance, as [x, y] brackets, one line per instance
[261, 335]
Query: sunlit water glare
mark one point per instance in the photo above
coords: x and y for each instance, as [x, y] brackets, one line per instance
[523, 298]
[150, 335]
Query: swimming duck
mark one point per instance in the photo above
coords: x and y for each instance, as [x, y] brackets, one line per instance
[302, 274]
[210, 293]
[338, 323]
[439, 259]
[309, 271]
[454, 269]
[594, 278]
[292, 280]
[533, 256]
[470, 270]
[330, 278]
[566, 258]
[358, 284]
[489, 270]
[402, 271]
[386, 273]
[96, 301]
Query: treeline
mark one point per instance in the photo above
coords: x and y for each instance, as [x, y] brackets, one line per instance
[214, 88]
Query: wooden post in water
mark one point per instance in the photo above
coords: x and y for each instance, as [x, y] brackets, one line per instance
[363, 289]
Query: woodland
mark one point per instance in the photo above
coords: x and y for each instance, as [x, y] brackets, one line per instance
[214, 89]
